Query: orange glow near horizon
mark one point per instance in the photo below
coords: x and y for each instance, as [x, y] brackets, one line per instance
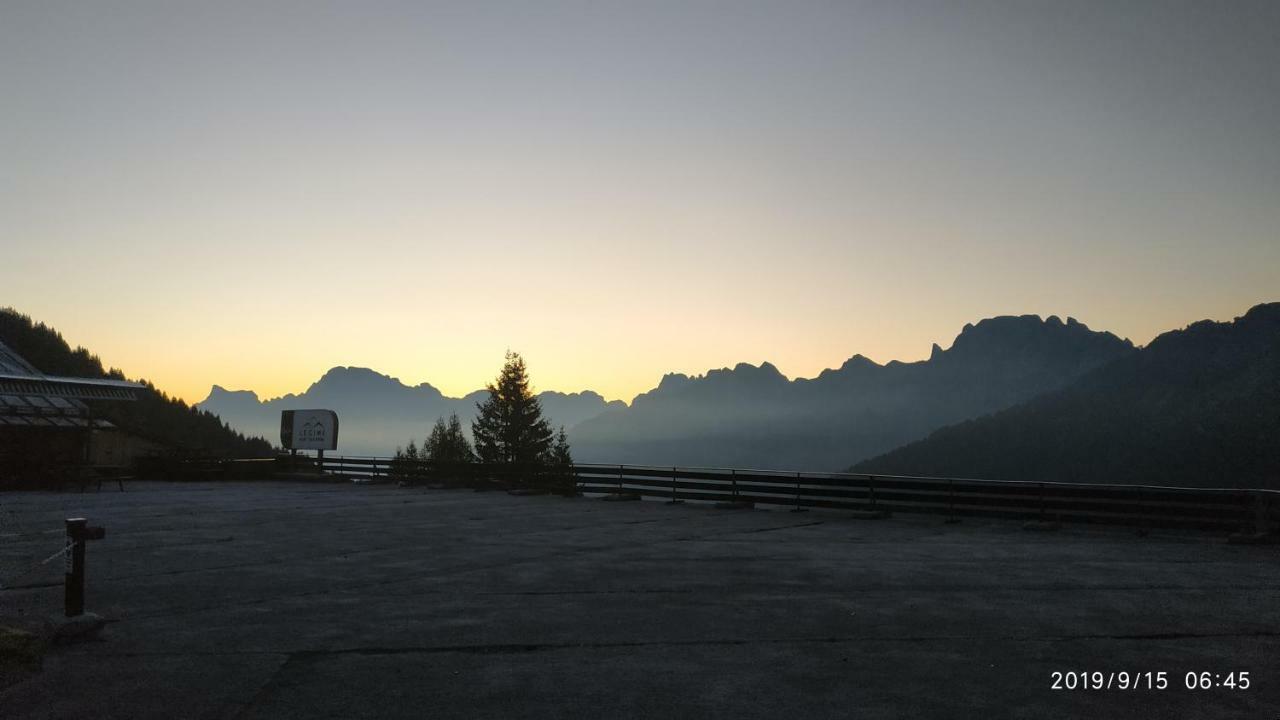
[213, 194]
[185, 365]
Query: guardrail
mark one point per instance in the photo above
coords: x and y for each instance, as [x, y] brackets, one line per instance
[1253, 510]
[1138, 505]
[372, 469]
[491, 476]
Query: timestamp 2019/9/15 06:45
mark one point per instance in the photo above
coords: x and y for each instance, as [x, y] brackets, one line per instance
[1148, 680]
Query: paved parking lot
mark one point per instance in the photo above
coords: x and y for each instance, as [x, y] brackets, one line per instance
[237, 600]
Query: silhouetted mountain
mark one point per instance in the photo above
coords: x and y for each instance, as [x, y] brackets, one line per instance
[1199, 406]
[752, 416]
[379, 413]
[154, 415]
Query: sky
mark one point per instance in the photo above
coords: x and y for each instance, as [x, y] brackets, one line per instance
[250, 193]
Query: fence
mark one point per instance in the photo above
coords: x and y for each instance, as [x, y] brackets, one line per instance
[478, 475]
[1136, 505]
[371, 469]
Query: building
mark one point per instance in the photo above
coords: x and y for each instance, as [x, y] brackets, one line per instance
[46, 422]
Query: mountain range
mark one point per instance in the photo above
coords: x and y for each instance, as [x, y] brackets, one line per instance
[1195, 407]
[746, 416]
[754, 417]
[378, 413]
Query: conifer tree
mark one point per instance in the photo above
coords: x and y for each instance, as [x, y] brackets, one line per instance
[406, 466]
[509, 427]
[559, 465]
[447, 446]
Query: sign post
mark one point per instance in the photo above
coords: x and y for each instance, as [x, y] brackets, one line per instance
[309, 430]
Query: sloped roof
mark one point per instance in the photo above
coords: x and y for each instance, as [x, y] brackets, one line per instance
[11, 363]
[28, 397]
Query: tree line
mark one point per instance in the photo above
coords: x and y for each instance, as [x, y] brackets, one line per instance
[184, 429]
[513, 442]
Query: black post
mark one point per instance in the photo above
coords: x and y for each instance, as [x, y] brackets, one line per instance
[74, 580]
[733, 475]
[797, 507]
[951, 502]
[1261, 526]
[619, 479]
[674, 499]
[1144, 518]
[871, 486]
[88, 442]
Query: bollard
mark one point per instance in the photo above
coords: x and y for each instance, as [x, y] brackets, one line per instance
[797, 508]
[1261, 525]
[78, 532]
[1144, 518]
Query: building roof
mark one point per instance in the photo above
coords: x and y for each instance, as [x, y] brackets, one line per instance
[28, 397]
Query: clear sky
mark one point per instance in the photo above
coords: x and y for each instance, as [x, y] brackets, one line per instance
[250, 193]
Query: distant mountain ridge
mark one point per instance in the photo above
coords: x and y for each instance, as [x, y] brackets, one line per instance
[754, 417]
[745, 416]
[1198, 406]
[377, 412]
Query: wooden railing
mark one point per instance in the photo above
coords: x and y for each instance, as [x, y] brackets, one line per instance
[1138, 505]
[1253, 510]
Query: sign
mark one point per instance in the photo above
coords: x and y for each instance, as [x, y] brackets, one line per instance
[309, 429]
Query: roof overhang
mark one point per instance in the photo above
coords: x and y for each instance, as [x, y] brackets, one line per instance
[29, 398]
[69, 388]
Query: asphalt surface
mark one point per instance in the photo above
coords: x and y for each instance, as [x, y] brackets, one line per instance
[234, 600]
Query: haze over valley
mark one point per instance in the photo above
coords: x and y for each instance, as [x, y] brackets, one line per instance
[745, 416]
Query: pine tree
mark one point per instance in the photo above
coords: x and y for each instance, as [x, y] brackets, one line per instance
[448, 449]
[509, 427]
[406, 465]
[399, 470]
[559, 466]
[459, 448]
[434, 447]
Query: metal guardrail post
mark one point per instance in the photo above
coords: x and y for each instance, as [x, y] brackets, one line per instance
[1260, 523]
[619, 479]
[73, 588]
[871, 485]
[951, 502]
[733, 477]
[1144, 519]
[78, 531]
[797, 507]
[674, 498]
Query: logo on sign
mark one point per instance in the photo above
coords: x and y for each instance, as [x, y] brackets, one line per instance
[313, 430]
